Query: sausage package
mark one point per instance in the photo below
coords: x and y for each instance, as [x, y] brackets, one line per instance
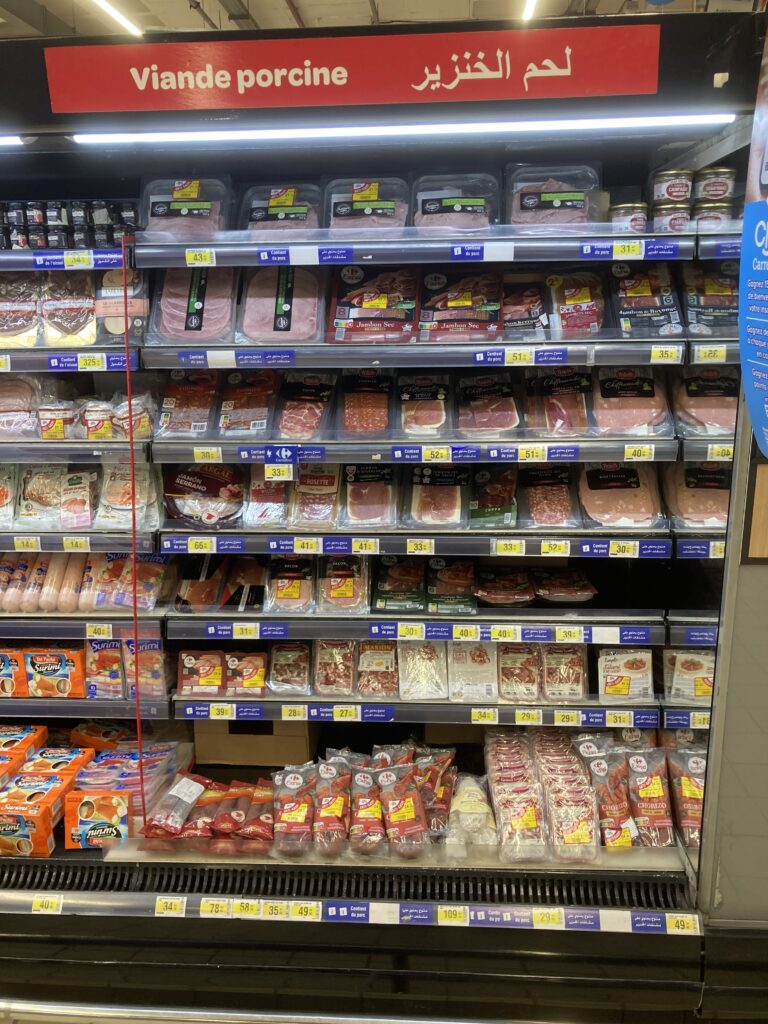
[630, 401]
[492, 502]
[456, 202]
[706, 400]
[486, 405]
[625, 675]
[399, 585]
[686, 779]
[460, 304]
[290, 668]
[697, 494]
[377, 675]
[472, 672]
[343, 585]
[403, 810]
[354, 205]
[334, 668]
[291, 586]
[620, 494]
[609, 774]
[649, 798]
[710, 295]
[247, 402]
[305, 404]
[451, 586]
[267, 501]
[519, 673]
[369, 496]
[689, 676]
[271, 209]
[315, 497]
[424, 408]
[281, 305]
[367, 835]
[423, 670]
[645, 301]
[294, 809]
[470, 821]
[365, 404]
[436, 498]
[557, 400]
[374, 304]
[194, 307]
[564, 672]
[332, 808]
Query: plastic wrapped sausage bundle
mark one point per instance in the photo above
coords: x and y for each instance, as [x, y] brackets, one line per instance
[649, 798]
[610, 779]
[686, 777]
[517, 797]
[573, 823]
[436, 788]
[366, 832]
[404, 817]
[170, 814]
[332, 808]
[199, 824]
[470, 822]
[258, 826]
[232, 810]
[294, 809]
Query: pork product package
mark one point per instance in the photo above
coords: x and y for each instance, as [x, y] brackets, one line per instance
[625, 675]
[281, 306]
[523, 309]
[645, 301]
[290, 668]
[204, 495]
[294, 809]
[470, 820]
[486, 405]
[305, 405]
[404, 818]
[562, 586]
[460, 304]
[456, 202]
[620, 494]
[188, 404]
[119, 497]
[244, 585]
[68, 308]
[496, 586]
[354, 205]
[247, 400]
[557, 399]
[19, 310]
[343, 585]
[424, 405]
[377, 676]
[576, 303]
[201, 673]
[472, 672]
[649, 798]
[267, 501]
[51, 497]
[450, 586]
[374, 304]
[369, 496]
[609, 775]
[437, 497]
[110, 306]
[334, 673]
[366, 831]
[564, 672]
[185, 210]
[710, 294]
[291, 586]
[149, 572]
[20, 402]
[519, 667]
[573, 822]
[365, 404]
[423, 670]
[267, 209]
[315, 498]
[689, 676]
[683, 739]
[399, 585]
[706, 400]
[547, 497]
[492, 503]
[697, 494]
[193, 307]
[538, 198]
[630, 401]
[332, 808]
[686, 780]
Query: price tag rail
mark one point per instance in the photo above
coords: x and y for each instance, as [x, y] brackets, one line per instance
[83, 709]
[79, 452]
[59, 259]
[74, 542]
[708, 449]
[85, 360]
[57, 626]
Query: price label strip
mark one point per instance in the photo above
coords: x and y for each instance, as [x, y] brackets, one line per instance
[214, 907]
[170, 906]
[47, 903]
[484, 716]
[200, 257]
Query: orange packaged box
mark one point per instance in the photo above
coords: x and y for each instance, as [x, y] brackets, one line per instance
[93, 818]
[58, 760]
[28, 789]
[22, 739]
[98, 735]
[10, 765]
[55, 671]
[30, 808]
[13, 675]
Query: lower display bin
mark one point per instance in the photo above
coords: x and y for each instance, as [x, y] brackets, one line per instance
[255, 743]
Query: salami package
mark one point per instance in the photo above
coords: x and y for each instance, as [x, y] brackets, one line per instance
[305, 405]
[620, 494]
[185, 210]
[206, 496]
[706, 400]
[498, 586]
[267, 501]
[365, 405]
[610, 779]
[334, 672]
[562, 586]
[556, 400]
[291, 586]
[710, 297]
[281, 305]
[547, 498]
[649, 798]
[315, 497]
[689, 676]
[377, 676]
[194, 307]
[450, 587]
[523, 308]
[247, 402]
[460, 304]
[343, 585]
[564, 673]
[289, 669]
[367, 834]
[294, 809]
[374, 304]
[423, 670]
[246, 673]
[437, 497]
[472, 672]
[456, 202]
[369, 496]
[645, 301]
[492, 502]
[486, 405]
[424, 408]
[576, 304]
[355, 206]
[404, 818]
[519, 673]
[697, 494]
[399, 585]
[199, 823]
[188, 404]
[332, 808]
[258, 824]
[686, 778]
[630, 401]
[274, 209]
[625, 675]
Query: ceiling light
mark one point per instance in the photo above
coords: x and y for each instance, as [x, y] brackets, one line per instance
[529, 10]
[353, 132]
[121, 19]
[11, 140]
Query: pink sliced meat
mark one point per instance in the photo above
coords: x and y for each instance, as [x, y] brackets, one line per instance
[300, 420]
[369, 502]
[281, 304]
[489, 414]
[436, 505]
[177, 306]
[423, 415]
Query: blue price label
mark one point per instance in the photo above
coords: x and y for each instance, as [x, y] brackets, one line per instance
[596, 250]
[467, 252]
[254, 358]
[270, 257]
[335, 254]
[194, 359]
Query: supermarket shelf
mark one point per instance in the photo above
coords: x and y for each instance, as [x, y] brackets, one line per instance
[725, 246]
[725, 350]
[706, 449]
[86, 360]
[686, 718]
[708, 545]
[692, 628]
[51, 626]
[443, 450]
[65, 707]
[60, 259]
[71, 451]
[342, 709]
[71, 541]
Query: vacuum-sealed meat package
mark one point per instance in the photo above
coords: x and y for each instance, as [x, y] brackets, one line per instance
[460, 304]
[556, 400]
[268, 209]
[258, 825]
[353, 205]
[369, 496]
[472, 672]
[706, 400]
[188, 404]
[289, 669]
[315, 498]
[689, 676]
[625, 675]
[374, 304]
[209, 496]
[630, 401]
[281, 306]
[519, 673]
[305, 405]
[492, 503]
[111, 306]
[573, 823]
[486, 405]
[334, 673]
[423, 670]
[52, 497]
[399, 585]
[332, 808]
[364, 408]
[645, 301]
[562, 586]
[451, 586]
[470, 821]
[247, 401]
[19, 310]
[610, 780]
[710, 297]
[686, 778]
[244, 585]
[68, 308]
[547, 497]
[377, 677]
[456, 202]
[201, 673]
[498, 586]
[267, 501]
[291, 586]
[424, 404]
[564, 672]
[366, 831]
[120, 494]
[576, 303]
[343, 585]
[620, 494]
[194, 307]
[523, 308]
[404, 817]
[540, 198]
[649, 798]
[436, 498]
[20, 401]
[185, 210]
[697, 494]
[246, 673]
[294, 809]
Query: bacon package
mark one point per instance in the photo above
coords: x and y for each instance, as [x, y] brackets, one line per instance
[460, 304]
[294, 809]
[377, 677]
[649, 798]
[281, 306]
[334, 667]
[289, 669]
[331, 823]
[315, 499]
[365, 406]
[686, 778]
[194, 307]
[369, 496]
[247, 401]
[630, 401]
[374, 304]
[343, 585]
[404, 817]
[486, 405]
[610, 779]
[304, 404]
[367, 834]
[291, 586]
[620, 494]
[645, 301]
[207, 496]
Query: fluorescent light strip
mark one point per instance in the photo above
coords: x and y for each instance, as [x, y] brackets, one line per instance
[121, 19]
[529, 10]
[11, 140]
[406, 130]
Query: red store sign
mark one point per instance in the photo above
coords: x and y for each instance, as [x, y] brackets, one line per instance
[440, 67]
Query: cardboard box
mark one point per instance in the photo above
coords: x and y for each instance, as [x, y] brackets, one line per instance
[22, 739]
[96, 817]
[255, 743]
[58, 760]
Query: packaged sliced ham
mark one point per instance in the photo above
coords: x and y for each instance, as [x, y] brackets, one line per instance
[649, 798]
[710, 297]
[576, 303]
[689, 676]
[188, 404]
[246, 673]
[365, 404]
[610, 779]
[343, 585]
[332, 808]
[193, 307]
[374, 304]
[450, 587]
[564, 672]
[20, 401]
[492, 503]
[686, 779]
[289, 669]
[185, 210]
[403, 810]
[354, 205]
[472, 673]
[369, 496]
[437, 497]
[267, 501]
[377, 677]
[201, 673]
[110, 306]
[424, 409]
[366, 831]
[706, 400]
[247, 401]
[620, 494]
[556, 400]
[334, 673]
[399, 585]
[207, 496]
[460, 304]
[625, 675]
[52, 497]
[19, 310]
[645, 301]
[304, 405]
[562, 586]
[68, 308]
[456, 202]
[281, 305]
[423, 670]
[119, 493]
[630, 401]
[294, 809]
[547, 497]
[697, 494]
[291, 586]
[519, 673]
[315, 497]
[268, 209]
[497, 586]
[486, 405]
[540, 198]
[523, 308]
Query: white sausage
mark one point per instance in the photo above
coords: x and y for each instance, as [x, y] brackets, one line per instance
[7, 567]
[49, 595]
[34, 588]
[24, 569]
[93, 567]
[69, 591]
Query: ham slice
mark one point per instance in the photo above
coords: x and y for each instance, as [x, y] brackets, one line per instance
[616, 494]
[698, 494]
[423, 416]
[281, 304]
[196, 305]
[370, 502]
[435, 505]
[624, 401]
[700, 408]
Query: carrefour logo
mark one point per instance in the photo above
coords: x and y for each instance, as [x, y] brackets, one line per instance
[761, 236]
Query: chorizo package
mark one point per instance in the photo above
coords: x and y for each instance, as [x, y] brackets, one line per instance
[233, 807]
[404, 817]
[199, 823]
[436, 788]
[649, 798]
[610, 780]
[259, 818]
[294, 809]
[332, 808]
[384, 755]
[366, 830]
[686, 778]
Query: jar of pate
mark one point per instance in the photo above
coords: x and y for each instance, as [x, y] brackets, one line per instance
[631, 217]
[671, 218]
[710, 216]
[714, 183]
[672, 186]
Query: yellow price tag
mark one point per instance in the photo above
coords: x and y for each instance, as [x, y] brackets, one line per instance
[346, 713]
[201, 545]
[200, 257]
[666, 353]
[245, 630]
[682, 924]
[453, 915]
[419, 546]
[26, 543]
[629, 250]
[465, 632]
[531, 453]
[710, 353]
[272, 909]
[717, 549]
[569, 634]
[501, 546]
[213, 907]
[365, 545]
[98, 630]
[294, 712]
[76, 543]
[278, 471]
[91, 361]
[410, 631]
[5, 364]
[548, 917]
[306, 910]
[246, 908]
[519, 356]
[435, 454]
[307, 546]
[528, 716]
[484, 716]
[206, 454]
[618, 719]
[78, 259]
[639, 452]
[510, 634]
[623, 549]
[556, 547]
[719, 452]
[221, 711]
[170, 906]
[47, 903]
[567, 717]
[700, 719]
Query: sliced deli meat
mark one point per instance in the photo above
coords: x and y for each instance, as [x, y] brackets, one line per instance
[697, 494]
[523, 306]
[291, 586]
[547, 497]
[194, 306]
[281, 305]
[188, 404]
[645, 301]
[268, 209]
[556, 400]
[711, 297]
[492, 502]
[369, 495]
[465, 202]
[519, 673]
[576, 303]
[400, 585]
[451, 586]
[503, 587]
[343, 585]
[365, 402]
[437, 496]
[304, 404]
[620, 494]
[377, 677]
[335, 667]
[208, 496]
[539, 197]
[630, 400]
[69, 308]
[185, 210]
[423, 404]
[316, 496]
[564, 672]
[706, 400]
[562, 586]
[354, 205]
[460, 304]
[19, 310]
[486, 405]
[374, 304]
[247, 400]
[423, 670]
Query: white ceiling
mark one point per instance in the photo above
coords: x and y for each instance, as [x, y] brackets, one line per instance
[22, 18]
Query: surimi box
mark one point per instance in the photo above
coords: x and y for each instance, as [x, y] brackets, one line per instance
[25, 831]
[22, 739]
[13, 675]
[93, 818]
[58, 760]
[10, 765]
[28, 789]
